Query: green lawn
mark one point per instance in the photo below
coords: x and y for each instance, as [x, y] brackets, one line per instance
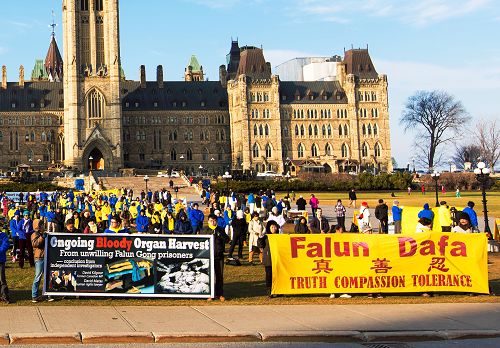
[415, 199]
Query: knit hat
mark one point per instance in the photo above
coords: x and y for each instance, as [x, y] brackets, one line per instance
[17, 213]
[26, 213]
[364, 204]
[464, 216]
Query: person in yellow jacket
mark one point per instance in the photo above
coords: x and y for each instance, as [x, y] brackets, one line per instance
[158, 206]
[105, 211]
[444, 217]
[119, 206]
[178, 207]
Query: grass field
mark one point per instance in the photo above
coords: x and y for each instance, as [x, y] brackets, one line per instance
[416, 199]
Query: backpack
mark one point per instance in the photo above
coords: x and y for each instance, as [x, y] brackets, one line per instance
[233, 262]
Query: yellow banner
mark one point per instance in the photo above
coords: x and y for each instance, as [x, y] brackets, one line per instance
[353, 263]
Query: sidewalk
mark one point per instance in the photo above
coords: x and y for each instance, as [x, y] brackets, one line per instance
[216, 323]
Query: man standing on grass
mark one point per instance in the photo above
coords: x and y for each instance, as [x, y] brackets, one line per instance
[397, 212]
[220, 240]
[382, 214]
[4, 246]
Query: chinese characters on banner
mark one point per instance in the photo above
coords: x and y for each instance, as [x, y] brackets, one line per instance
[330, 263]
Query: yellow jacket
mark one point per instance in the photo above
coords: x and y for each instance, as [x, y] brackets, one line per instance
[444, 216]
[105, 211]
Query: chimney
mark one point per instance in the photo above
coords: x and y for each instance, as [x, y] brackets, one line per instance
[4, 77]
[21, 76]
[159, 76]
[143, 76]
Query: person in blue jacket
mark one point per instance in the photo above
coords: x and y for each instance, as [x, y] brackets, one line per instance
[183, 225]
[397, 212]
[14, 232]
[24, 230]
[196, 216]
[142, 222]
[469, 210]
[4, 246]
[426, 212]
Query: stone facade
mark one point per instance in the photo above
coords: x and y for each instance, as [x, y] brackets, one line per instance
[248, 121]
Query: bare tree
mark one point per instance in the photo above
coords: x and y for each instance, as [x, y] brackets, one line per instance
[488, 135]
[466, 153]
[437, 117]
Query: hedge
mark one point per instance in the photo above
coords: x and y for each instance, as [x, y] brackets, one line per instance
[30, 187]
[323, 182]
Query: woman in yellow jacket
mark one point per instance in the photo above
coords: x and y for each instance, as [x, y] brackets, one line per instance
[444, 216]
[105, 211]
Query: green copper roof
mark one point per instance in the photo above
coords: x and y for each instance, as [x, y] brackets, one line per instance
[122, 73]
[39, 72]
[194, 64]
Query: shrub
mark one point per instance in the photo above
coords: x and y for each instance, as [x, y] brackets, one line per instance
[30, 187]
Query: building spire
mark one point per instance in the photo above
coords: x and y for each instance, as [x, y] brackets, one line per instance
[53, 61]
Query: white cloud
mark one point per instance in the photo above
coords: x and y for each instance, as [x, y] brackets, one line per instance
[418, 13]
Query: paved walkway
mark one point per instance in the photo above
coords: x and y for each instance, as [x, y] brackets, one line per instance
[214, 323]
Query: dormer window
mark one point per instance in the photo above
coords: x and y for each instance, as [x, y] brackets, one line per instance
[297, 97]
[42, 104]
[202, 104]
[311, 97]
[136, 104]
[155, 104]
[174, 104]
[13, 105]
[127, 104]
[32, 105]
[184, 104]
[283, 97]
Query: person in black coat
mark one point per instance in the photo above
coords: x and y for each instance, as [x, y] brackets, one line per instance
[220, 241]
[272, 227]
[183, 225]
[240, 230]
[382, 214]
[301, 203]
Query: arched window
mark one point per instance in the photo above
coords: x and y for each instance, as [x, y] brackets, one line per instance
[29, 155]
[44, 137]
[345, 151]
[255, 130]
[314, 150]
[329, 130]
[378, 150]
[364, 150]
[266, 130]
[261, 130]
[206, 154]
[269, 151]
[323, 131]
[1, 137]
[189, 154]
[340, 130]
[84, 5]
[255, 150]
[316, 132]
[300, 151]
[297, 130]
[285, 132]
[310, 130]
[302, 131]
[173, 155]
[95, 107]
[175, 135]
[363, 130]
[328, 150]
[346, 130]
[32, 136]
[284, 151]
[375, 129]
[369, 130]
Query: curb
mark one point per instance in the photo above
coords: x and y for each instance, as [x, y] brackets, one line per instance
[311, 336]
[189, 337]
[108, 337]
[45, 338]
[328, 336]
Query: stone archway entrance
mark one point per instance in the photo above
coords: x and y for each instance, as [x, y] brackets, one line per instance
[96, 160]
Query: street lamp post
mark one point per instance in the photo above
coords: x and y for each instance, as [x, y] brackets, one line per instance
[227, 177]
[435, 177]
[413, 160]
[483, 176]
[287, 176]
[146, 179]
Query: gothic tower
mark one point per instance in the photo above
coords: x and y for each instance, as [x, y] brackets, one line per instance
[92, 103]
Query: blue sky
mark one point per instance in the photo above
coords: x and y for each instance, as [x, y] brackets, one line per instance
[450, 45]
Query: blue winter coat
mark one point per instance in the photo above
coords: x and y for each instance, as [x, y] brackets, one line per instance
[24, 228]
[51, 215]
[396, 213]
[472, 215]
[142, 222]
[221, 222]
[4, 246]
[196, 216]
[228, 219]
[14, 228]
[183, 227]
[251, 198]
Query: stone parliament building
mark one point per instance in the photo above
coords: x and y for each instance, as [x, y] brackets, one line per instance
[78, 109]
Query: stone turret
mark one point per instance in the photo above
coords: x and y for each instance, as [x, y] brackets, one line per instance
[194, 71]
[4, 77]
[53, 62]
[159, 76]
[143, 76]
[21, 76]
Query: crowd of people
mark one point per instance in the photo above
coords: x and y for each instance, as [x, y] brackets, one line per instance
[238, 219]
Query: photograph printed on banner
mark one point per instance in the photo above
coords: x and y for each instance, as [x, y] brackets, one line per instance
[62, 281]
[129, 276]
[183, 277]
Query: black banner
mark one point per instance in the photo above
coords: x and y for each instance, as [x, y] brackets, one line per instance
[123, 265]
